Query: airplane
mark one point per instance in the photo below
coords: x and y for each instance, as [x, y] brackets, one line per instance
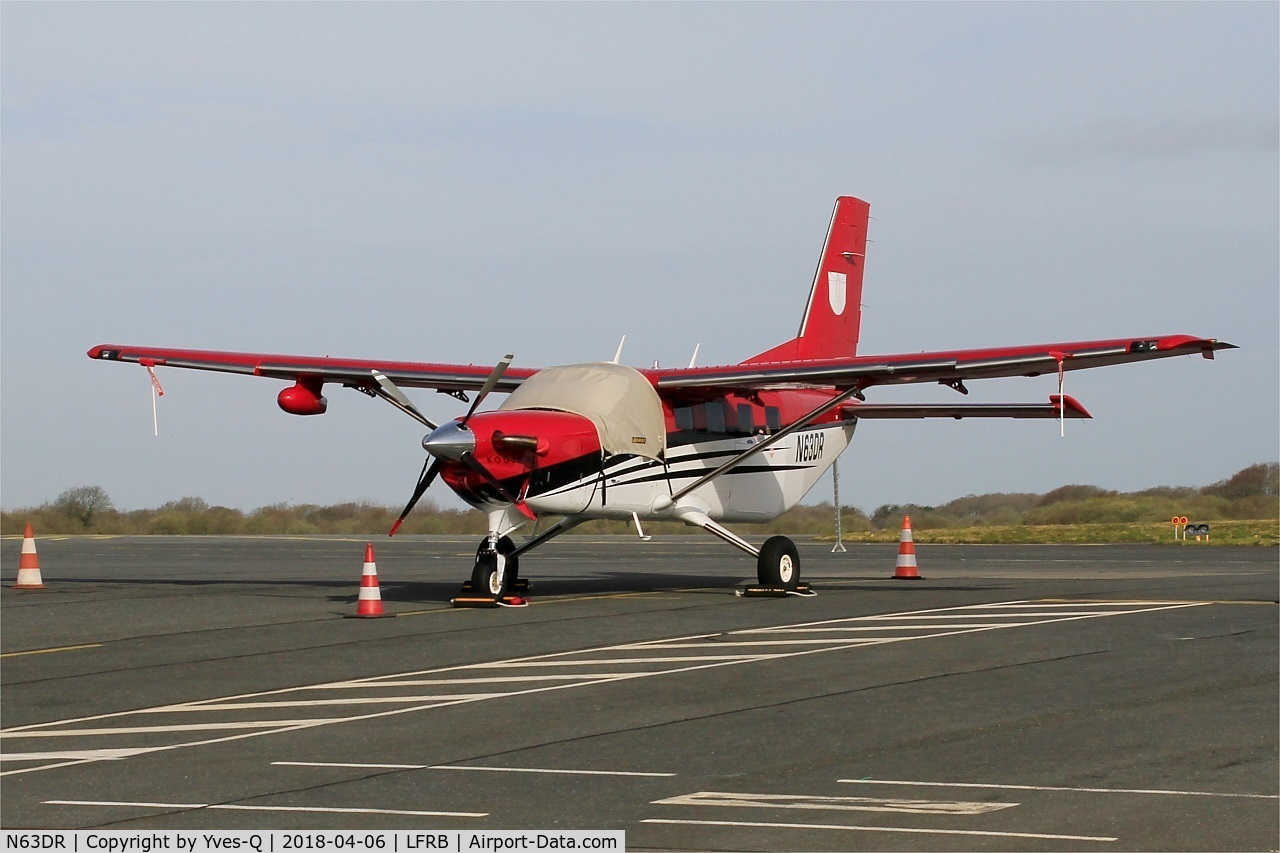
[708, 446]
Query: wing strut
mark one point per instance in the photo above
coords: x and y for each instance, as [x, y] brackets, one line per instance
[1061, 358]
[156, 391]
[766, 444]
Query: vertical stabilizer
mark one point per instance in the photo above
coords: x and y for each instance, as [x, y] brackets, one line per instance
[834, 313]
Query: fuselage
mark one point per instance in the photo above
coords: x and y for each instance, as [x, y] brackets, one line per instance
[552, 460]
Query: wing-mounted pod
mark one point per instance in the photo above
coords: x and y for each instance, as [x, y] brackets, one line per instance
[304, 397]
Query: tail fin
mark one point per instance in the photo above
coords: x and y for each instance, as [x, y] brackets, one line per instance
[834, 313]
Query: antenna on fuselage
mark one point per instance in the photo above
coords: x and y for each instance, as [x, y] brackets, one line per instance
[695, 353]
[617, 356]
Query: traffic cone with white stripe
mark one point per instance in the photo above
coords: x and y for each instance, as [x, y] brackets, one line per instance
[906, 570]
[29, 563]
[370, 604]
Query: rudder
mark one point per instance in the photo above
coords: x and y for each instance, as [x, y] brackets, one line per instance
[833, 315]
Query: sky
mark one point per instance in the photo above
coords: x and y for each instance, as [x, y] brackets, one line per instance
[450, 182]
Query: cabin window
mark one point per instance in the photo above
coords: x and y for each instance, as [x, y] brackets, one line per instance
[683, 417]
[772, 418]
[715, 417]
[746, 419]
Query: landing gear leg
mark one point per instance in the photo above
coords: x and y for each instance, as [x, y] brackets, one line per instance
[777, 561]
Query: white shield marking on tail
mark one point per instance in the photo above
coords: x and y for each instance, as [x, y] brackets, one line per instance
[835, 292]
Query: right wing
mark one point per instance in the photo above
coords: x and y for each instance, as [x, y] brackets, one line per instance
[352, 373]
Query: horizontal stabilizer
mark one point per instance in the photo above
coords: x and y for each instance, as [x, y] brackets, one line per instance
[1055, 408]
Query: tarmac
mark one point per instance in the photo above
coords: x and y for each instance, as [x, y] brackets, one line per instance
[1015, 698]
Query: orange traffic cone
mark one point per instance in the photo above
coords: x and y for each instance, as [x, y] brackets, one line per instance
[906, 554]
[29, 563]
[370, 603]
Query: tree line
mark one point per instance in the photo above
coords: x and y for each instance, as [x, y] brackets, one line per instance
[1251, 493]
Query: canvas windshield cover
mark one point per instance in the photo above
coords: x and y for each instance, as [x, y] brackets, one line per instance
[618, 399]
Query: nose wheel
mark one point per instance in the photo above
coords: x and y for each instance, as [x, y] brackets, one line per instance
[494, 577]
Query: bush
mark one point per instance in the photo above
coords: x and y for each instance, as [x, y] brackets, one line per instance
[1251, 493]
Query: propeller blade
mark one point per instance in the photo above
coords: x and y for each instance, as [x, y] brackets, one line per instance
[474, 465]
[498, 369]
[429, 470]
[393, 395]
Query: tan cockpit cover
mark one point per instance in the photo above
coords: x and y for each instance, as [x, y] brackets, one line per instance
[618, 399]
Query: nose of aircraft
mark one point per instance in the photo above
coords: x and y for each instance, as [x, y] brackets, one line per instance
[449, 441]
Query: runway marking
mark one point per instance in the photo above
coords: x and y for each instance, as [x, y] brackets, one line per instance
[611, 665]
[546, 770]
[193, 727]
[370, 700]
[858, 804]
[430, 682]
[245, 808]
[82, 755]
[466, 767]
[51, 651]
[906, 829]
[995, 787]
[615, 661]
[725, 644]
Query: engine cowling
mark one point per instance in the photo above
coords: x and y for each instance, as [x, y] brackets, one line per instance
[303, 398]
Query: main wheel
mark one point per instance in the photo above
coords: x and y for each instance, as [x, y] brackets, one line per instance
[779, 563]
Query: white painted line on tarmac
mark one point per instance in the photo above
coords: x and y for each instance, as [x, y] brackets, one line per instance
[349, 765]
[432, 682]
[307, 703]
[855, 804]
[1019, 614]
[242, 808]
[995, 787]
[193, 727]
[684, 664]
[51, 651]
[615, 661]
[905, 627]
[355, 766]
[912, 830]
[546, 770]
[726, 644]
[78, 755]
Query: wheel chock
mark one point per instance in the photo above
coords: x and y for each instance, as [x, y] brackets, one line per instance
[466, 600]
[520, 585]
[802, 589]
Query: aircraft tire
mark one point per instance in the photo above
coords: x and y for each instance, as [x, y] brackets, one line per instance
[485, 579]
[505, 547]
[779, 563]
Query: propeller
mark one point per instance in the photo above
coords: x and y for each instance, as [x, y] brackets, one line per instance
[429, 470]
[452, 441]
[393, 395]
[496, 374]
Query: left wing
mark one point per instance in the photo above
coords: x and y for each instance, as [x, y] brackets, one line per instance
[1059, 406]
[352, 373]
[948, 368]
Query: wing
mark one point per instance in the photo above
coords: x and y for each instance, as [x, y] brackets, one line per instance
[951, 368]
[1059, 406]
[353, 373]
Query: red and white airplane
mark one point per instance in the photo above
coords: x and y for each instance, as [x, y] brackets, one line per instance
[705, 445]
